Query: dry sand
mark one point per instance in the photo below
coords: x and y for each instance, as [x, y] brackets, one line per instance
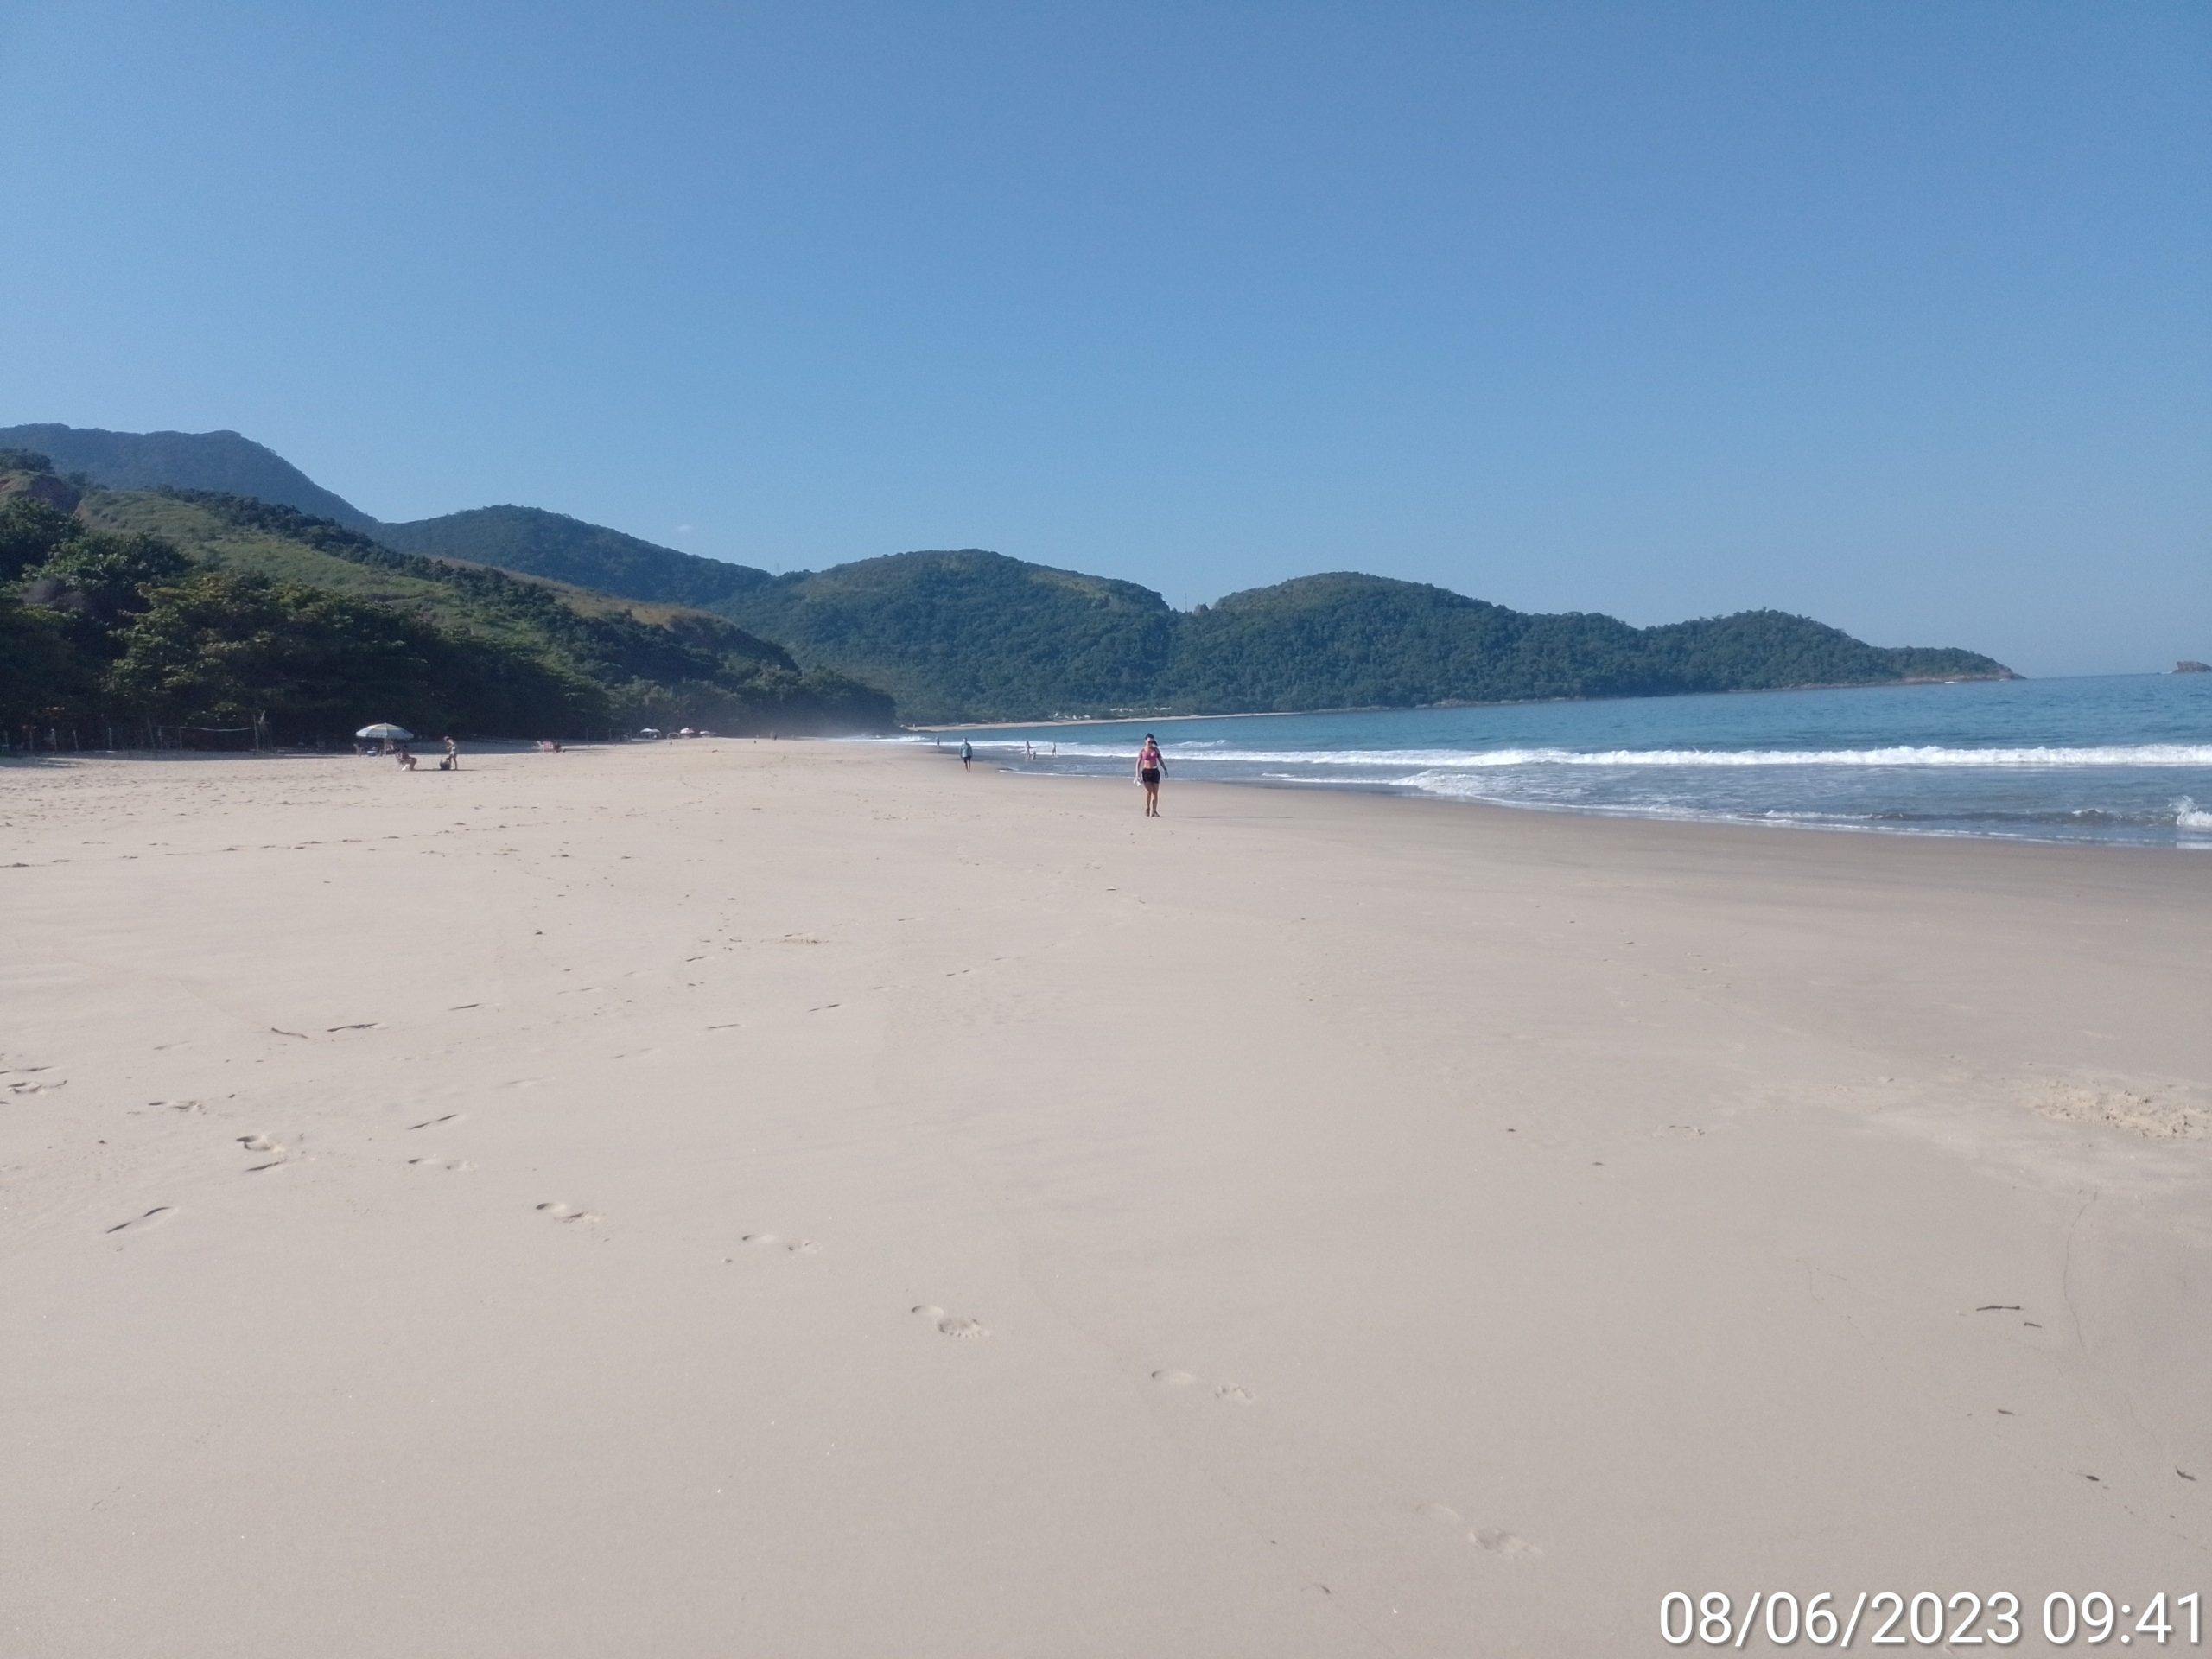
[781, 1200]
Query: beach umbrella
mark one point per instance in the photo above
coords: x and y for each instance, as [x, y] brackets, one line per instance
[385, 731]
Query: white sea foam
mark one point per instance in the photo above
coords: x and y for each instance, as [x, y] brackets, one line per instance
[2190, 816]
[2115, 754]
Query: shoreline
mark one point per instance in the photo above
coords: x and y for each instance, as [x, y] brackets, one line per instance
[2180, 842]
[1510, 702]
[1376, 791]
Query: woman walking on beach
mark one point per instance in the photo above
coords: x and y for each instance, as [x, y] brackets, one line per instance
[1151, 768]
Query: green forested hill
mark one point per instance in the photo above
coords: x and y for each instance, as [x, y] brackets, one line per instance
[568, 550]
[1345, 641]
[971, 635]
[187, 607]
[961, 634]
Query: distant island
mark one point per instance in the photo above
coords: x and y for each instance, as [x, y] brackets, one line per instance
[971, 635]
[2187, 665]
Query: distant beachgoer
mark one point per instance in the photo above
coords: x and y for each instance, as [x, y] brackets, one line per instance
[1028, 750]
[1151, 768]
[406, 758]
[967, 754]
[453, 756]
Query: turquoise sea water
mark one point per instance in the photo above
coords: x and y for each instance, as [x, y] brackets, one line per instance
[2119, 759]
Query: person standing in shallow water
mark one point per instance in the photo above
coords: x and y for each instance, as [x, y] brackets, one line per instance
[1151, 768]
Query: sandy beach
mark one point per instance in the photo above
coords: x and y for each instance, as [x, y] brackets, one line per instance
[789, 1199]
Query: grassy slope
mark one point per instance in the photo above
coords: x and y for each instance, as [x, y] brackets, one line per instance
[201, 533]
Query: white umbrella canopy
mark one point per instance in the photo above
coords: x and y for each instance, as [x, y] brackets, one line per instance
[384, 731]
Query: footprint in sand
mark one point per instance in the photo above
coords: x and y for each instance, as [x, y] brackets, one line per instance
[154, 1217]
[775, 1241]
[1490, 1538]
[258, 1143]
[1231, 1392]
[439, 1163]
[433, 1122]
[1499, 1542]
[950, 1324]
[1495, 1539]
[567, 1212]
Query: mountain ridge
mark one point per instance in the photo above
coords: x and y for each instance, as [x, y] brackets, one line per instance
[966, 634]
[225, 461]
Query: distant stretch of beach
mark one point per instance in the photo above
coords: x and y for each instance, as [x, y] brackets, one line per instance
[790, 1199]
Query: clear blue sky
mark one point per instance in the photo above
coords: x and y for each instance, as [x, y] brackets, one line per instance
[1896, 314]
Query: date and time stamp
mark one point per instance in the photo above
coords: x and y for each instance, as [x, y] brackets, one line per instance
[1892, 1619]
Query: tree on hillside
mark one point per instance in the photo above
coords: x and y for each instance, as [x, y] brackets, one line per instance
[101, 576]
[30, 531]
[223, 649]
[34, 665]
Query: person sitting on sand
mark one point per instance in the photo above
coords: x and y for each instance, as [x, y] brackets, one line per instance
[1151, 768]
[406, 758]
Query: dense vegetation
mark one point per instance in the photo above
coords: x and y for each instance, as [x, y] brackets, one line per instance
[952, 635]
[1356, 641]
[970, 635]
[973, 635]
[977, 636]
[568, 550]
[246, 612]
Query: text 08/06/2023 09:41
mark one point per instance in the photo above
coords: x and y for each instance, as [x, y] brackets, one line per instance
[1891, 1619]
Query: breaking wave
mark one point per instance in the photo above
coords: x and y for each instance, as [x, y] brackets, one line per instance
[2118, 754]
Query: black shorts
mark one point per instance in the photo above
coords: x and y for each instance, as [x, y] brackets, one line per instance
[1150, 775]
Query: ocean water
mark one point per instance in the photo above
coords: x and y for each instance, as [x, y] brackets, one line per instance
[2125, 759]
